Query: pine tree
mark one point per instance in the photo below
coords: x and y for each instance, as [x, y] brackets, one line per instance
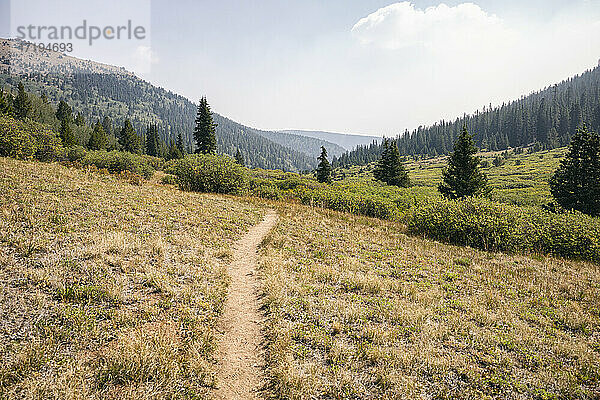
[80, 121]
[239, 158]
[324, 168]
[22, 104]
[66, 134]
[576, 183]
[98, 139]
[5, 103]
[390, 168]
[462, 177]
[129, 140]
[152, 140]
[174, 153]
[180, 145]
[64, 112]
[205, 133]
[107, 126]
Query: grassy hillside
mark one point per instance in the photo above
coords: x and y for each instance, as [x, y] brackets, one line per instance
[520, 178]
[356, 309]
[109, 290]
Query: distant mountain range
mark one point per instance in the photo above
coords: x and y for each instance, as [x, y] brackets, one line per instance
[347, 141]
[97, 90]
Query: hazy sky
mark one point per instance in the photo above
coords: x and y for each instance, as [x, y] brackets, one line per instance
[354, 66]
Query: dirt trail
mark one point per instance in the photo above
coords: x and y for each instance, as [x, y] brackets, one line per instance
[240, 374]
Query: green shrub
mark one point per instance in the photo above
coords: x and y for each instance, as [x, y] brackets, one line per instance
[16, 140]
[157, 163]
[28, 139]
[169, 180]
[338, 199]
[116, 161]
[488, 225]
[75, 154]
[211, 174]
[267, 190]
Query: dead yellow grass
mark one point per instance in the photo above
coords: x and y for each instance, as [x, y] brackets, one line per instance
[109, 290]
[356, 309]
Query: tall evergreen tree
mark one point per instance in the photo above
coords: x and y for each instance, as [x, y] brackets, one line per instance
[129, 140]
[22, 104]
[64, 112]
[180, 144]
[98, 139]
[239, 158]
[324, 168]
[576, 183]
[152, 140]
[390, 168]
[79, 120]
[462, 177]
[5, 103]
[205, 131]
[174, 153]
[66, 134]
[107, 126]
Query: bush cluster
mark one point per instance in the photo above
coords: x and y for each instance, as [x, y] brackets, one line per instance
[338, 199]
[488, 225]
[116, 162]
[28, 140]
[211, 174]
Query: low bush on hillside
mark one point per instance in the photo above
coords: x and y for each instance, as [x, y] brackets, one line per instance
[488, 225]
[372, 201]
[116, 162]
[350, 202]
[27, 140]
[211, 174]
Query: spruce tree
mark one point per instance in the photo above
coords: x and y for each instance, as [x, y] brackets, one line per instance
[180, 145]
[129, 140]
[22, 104]
[107, 126]
[79, 120]
[66, 134]
[324, 168]
[390, 168]
[5, 103]
[205, 133]
[64, 112]
[174, 153]
[152, 140]
[239, 158]
[576, 183]
[98, 139]
[462, 177]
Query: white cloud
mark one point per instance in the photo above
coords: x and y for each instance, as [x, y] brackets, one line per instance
[401, 25]
[143, 58]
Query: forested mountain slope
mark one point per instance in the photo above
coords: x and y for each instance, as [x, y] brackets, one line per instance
[97, 90]
[347, 141]
[304, 144]
[547, 119]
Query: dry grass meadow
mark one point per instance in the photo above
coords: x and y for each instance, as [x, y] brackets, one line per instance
[358, 310]
[110, 290]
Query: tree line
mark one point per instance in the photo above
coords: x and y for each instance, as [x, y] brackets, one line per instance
[101, 135]
[124, 97]
[545, 119]
[575, 185]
